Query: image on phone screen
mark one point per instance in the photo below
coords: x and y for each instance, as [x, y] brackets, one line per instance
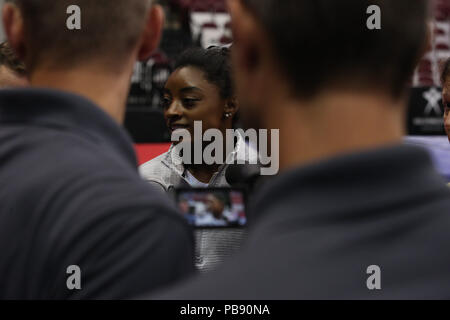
[212, 208]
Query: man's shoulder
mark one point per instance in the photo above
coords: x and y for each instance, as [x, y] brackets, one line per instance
[153, 166]
[80, 173]
[158, 170]
[49, 141]
[80, 152]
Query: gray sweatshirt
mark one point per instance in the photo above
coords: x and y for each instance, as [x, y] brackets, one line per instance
[213, 246]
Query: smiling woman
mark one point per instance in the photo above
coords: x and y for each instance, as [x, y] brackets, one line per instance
[201, 89]
[189, 96]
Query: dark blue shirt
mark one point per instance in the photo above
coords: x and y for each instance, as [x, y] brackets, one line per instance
[71, 195]
[317, 231]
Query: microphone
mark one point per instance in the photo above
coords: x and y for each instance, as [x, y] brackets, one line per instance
[243, 175]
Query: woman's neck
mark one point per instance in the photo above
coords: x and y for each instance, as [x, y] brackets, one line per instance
[203, 173]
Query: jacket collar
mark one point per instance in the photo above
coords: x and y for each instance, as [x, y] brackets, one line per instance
[68, 112]
[350, 186]
[172, 158]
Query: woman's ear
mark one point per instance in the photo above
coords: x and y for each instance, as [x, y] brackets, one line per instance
[231, 106]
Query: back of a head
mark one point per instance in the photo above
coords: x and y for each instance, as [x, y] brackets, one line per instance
[12, 70]
[327, 42]
[109, 30]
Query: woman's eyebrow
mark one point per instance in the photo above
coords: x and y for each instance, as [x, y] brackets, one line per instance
[167, 91]
[190, 89]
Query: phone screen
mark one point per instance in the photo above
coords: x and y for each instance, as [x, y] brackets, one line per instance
[213, 208]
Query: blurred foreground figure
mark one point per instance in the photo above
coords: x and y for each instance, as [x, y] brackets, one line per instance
[76, 220]
[12, 70]
[354, 214]
[445, 78]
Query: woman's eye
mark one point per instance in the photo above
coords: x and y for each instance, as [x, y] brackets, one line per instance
[165, 102]
[189, 103]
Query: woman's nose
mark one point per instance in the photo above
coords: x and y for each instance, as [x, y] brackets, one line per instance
[174, 110]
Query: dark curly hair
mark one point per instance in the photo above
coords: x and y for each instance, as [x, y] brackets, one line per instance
[445, 71]
[214, 62]
[9, 59]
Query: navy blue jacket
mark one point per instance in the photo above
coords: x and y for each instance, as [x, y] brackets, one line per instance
[71, 195]
[317, 232]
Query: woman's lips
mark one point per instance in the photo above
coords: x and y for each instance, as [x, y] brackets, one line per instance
[174, 127]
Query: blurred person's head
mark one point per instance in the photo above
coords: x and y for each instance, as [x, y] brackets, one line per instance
[303, 66]
[215, 203]
[183, 204]
[103, 52]
[445, 78]
[200, 89]
[12, 70]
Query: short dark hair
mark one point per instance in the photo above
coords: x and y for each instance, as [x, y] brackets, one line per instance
[9, 59]
[108, 30]
[445, 71]
[214, 62]
[327, 42]
[221, 197]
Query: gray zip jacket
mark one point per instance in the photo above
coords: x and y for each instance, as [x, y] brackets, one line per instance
[213, 246]
[164, 171]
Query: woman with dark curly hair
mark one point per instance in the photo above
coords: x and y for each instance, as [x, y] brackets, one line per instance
[201, 89]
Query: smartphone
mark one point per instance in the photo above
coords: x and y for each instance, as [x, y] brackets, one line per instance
[213, 208]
